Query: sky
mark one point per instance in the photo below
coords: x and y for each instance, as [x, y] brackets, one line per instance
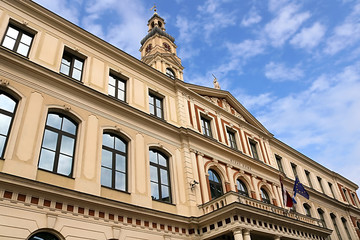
[295, 65]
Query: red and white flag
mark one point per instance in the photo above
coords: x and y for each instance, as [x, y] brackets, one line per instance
[288, 202]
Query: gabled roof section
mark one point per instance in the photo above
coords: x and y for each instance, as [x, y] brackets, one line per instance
[225, 96]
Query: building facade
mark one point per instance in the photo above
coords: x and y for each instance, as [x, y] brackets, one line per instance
[95, 144]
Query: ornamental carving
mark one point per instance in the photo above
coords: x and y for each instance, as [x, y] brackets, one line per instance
[221, 102]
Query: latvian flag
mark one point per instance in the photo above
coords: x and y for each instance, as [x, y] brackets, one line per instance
[288, 202]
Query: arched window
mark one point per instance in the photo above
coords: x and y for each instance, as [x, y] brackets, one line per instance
[264, 196]
[307, 209]
[346, 228]
[43, 236]
[114, 162]
[215, 184]
[170, 73]
[321, 215]
[333, 218]
[159, 176]
[241, 187]
[7, 113]
[58, 145]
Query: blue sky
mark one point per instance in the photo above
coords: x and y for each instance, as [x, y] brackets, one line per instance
[295, 65]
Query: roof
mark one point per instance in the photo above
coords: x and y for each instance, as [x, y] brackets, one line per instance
[159, 31]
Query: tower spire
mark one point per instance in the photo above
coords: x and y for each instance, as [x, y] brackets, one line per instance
[158, 48]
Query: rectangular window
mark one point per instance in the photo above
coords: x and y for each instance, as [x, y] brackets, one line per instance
[320, 183]
[293, 167]
[307, 173]
[331, 189]
[117, 87]
[279, 163]
[156, 105]
[206, 126]
[72, 65]
[254, 149]
[18, 40]
[345, 193]
[232, 140]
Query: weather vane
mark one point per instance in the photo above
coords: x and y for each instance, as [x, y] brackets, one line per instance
[153, 8]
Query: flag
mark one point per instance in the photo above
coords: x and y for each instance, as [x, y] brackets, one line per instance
[299, 188]
[288, 202]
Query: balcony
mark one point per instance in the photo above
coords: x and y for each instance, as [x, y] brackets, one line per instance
[233, 197]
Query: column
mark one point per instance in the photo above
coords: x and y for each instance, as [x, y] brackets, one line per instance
[238, 234]
[247, 234]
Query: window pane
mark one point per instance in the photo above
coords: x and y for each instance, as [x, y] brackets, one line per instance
[64, 69]
[162, 160]
[108, 140]
[23, 49]
[4, 124]
[152, 109]
[78, 64]
[67, 145]
[76, 74]
[121, 85]
[119, 145]
[153, 156]
[106, 177]
[7, 103]
[46, 159]
[54, 120]
[111, 91]
[121, 95]
[159, 112]
[106, 158]
[165, 193]
[120, 163]
[13, 33]
[9, 43]
[69, 126]
[153, 174]
[64, 165]
[2, 144]
[154, 190]
[50, 140]
[26, 39]
[158, 103]
[111, 80]
[120, 181]
[164, 177]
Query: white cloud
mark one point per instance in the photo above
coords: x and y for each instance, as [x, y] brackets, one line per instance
[247, 48]
[285, 24]
[345, 34]
[251, 18]
[309, 37]
[64, 8]
[278, 72]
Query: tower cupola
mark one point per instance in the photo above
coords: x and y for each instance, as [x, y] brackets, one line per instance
[158, 49]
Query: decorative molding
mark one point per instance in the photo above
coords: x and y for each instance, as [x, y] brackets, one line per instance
[4, 82]
[67, 108]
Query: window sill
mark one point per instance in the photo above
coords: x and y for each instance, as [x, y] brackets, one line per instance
[117, 190]
[58, 174]
[159, 201]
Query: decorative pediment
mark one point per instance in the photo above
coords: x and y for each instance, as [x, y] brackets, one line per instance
[222, 102]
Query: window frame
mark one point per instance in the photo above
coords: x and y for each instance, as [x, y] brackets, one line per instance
[344, 221]
[47, 234]
[331, 189]
[265, 197]
[244, 191]
[159, 167]
[231, 134]
[253, 148]
[206, 126]
[279, 163]
[12, 116]
[307, 209]
[57, 152]
[117, 78]
[320, 183]
[307, 174]
[214, 185]
[294, 169]
[73, 56]
[321, 215]
[114, 152]
[22, 30]
[170, 73]
[154, 97]
[337, 230]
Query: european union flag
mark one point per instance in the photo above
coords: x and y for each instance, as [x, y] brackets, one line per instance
[299, 188]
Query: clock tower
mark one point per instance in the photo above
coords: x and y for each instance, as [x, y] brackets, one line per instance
[158, 49]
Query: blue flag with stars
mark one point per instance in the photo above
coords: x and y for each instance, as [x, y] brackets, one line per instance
[299, 188]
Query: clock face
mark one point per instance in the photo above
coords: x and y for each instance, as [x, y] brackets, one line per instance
[148, 48]
[167, 47]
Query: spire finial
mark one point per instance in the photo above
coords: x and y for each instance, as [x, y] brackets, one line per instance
[154, 8]
[216, 83]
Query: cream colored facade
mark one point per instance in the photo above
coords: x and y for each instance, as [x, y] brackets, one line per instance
[35, 200]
